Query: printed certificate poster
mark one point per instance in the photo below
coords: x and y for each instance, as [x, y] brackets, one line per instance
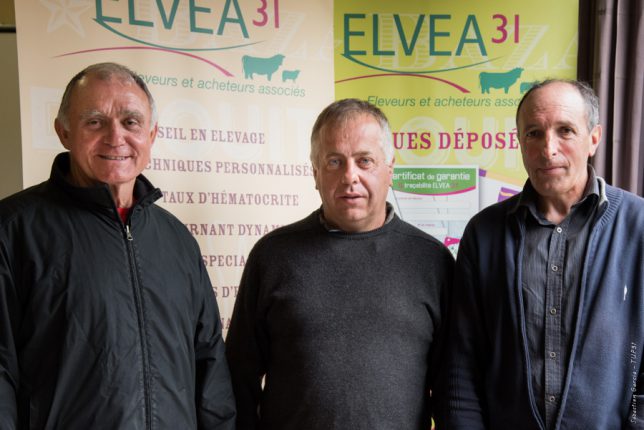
[437, 199]
[238, 85]
[449, 76]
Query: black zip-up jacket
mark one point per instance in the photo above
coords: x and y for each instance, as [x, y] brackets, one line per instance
[105, 324]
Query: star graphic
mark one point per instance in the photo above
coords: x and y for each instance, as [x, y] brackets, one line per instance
[66, 12]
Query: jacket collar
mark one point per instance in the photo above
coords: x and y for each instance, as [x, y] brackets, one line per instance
[98, 196]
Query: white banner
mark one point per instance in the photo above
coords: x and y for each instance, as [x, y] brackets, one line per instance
[238, 85]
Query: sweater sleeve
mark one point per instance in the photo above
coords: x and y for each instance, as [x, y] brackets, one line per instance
[463, 405]
[9, 374]
[246, 348]
[438, 362]
[214, 395]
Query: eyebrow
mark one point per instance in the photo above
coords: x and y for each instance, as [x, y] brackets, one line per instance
[124, 113]
[91, 114]
[361, 153]
[355, 154]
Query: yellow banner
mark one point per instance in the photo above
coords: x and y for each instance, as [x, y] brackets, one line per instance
[449, 75]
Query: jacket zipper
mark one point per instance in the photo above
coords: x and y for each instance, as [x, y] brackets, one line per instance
[138, 301]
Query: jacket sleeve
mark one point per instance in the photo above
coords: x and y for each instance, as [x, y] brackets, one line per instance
[9, 309]
[463, 404]
[246, 347]
[214, 395]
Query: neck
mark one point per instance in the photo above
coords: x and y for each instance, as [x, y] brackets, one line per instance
[556, 209]
[555, 212]
[123, 194]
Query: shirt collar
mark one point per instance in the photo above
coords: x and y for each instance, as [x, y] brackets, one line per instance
[529, 197]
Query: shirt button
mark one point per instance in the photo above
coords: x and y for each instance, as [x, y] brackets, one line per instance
[552, 399]
[553, 311]
[554, 268]
[559, 229]
[553, 354]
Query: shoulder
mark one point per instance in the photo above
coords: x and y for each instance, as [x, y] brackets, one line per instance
[169, 224]
[497, 212]
[37, 197]
[163, 215]
[412, 233]
[491, 220]
[418, 246]
[295, 232]
[488, 229]
[625, 207]
[619, 196]
[283, 246]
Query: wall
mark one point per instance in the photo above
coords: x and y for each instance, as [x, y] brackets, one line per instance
[10, 149]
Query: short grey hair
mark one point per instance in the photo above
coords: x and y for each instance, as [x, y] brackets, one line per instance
[104, 72]
[343, 110]
[591, 101]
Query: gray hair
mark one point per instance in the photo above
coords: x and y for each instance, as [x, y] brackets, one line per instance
[591, 101]
[104, 72]
[343, 110]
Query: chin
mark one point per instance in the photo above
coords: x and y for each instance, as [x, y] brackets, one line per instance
[552, 190]
[117, 181]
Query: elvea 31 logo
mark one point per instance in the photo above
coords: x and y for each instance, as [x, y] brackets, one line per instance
[424, 45]
[189, 27]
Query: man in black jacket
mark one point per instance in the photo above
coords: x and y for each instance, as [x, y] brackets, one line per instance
[107, 316]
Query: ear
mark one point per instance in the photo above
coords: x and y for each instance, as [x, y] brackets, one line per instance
[390, 171]
[315, 178]
[153, 133]
[63, 135]
[595, 138]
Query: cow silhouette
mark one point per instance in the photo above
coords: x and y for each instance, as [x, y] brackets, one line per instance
[525, 86]
[504, 80]
[290, 74]
[261, 66]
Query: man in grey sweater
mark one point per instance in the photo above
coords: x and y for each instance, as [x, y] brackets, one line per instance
[341, 312]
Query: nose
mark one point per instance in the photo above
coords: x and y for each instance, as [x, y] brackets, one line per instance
[114, 135]
[350, 174]
[550, 145]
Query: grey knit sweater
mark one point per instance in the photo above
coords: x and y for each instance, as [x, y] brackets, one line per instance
[345, 328]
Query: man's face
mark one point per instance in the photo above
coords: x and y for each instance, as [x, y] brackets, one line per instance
[352, 175]
[109, 136]
[555, 141]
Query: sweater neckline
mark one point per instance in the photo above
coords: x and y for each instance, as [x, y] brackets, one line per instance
[318, 220]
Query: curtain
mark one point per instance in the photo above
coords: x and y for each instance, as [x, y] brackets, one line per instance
[611, 59]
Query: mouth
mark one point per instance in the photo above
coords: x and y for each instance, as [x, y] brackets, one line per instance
[549, 170]
[114, 157]
[350, 198]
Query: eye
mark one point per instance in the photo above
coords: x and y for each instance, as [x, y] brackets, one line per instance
[132, 122]
[333, 163]
[565, 131]
[93, 122]
[532, 133]
[365, 162]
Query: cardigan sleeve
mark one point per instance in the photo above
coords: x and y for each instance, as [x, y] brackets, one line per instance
[462, 405]
[635, 420]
